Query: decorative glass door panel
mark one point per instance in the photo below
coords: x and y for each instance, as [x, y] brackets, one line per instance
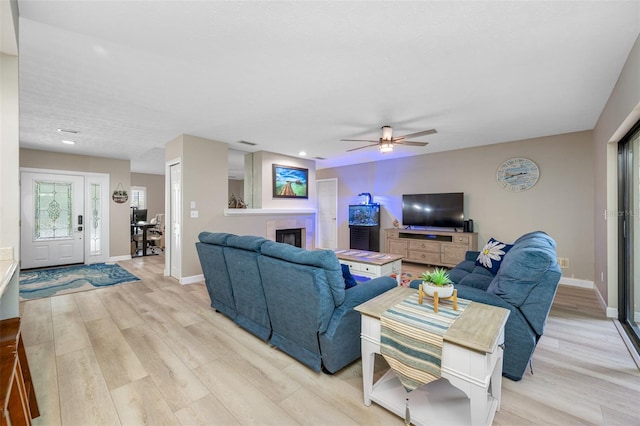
[94, 220]
[53, 210]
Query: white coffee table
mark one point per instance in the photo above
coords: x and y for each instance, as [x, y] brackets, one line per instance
[470, 389]
[371, 263]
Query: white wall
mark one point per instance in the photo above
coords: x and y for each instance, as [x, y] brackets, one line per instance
[561, 203]
[9, 149]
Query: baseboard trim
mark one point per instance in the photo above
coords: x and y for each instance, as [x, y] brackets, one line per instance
[632, 350]
[612, 312]
[608, 311]
[191, 280]
[119, 258]
[574, 282]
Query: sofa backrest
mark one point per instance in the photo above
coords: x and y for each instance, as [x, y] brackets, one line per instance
[241, 255]
[214, 268]
[324, 259]
[299, 298]
[528, 277]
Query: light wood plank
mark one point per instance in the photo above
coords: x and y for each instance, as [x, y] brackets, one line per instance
[243, 400]
[177, 338]
[90, 306]
[85, 399]
[113, 299]
[178, 384]
[141, 403]
[118, 362]
[44, 373]
[68, 327]
[36, 324]
[308, 409]
[206, 411]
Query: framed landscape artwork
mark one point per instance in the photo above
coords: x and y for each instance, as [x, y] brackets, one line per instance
[290, 182]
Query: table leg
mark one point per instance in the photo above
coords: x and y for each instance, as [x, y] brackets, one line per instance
[144, 240]
[496, 380]
[479, 404]
[368, 358]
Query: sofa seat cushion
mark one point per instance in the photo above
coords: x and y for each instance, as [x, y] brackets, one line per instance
[479, 281]
[325, 259]
[467, 273]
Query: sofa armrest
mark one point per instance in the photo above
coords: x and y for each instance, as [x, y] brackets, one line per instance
[358, 295]
[340, 342]
[471, 255]
[368, 290]
[481, 296]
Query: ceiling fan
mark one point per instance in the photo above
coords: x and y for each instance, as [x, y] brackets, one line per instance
[387, 141]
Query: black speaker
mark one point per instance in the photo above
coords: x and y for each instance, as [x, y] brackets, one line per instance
[465, 226]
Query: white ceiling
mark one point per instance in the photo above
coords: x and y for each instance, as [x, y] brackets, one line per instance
[300, 75]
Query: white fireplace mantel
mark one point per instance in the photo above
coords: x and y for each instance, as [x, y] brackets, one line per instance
[267, 212]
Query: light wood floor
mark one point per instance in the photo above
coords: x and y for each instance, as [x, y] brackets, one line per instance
[154, 352]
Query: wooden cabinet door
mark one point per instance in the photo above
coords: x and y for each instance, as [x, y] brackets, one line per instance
[397, 247]
[453, 254]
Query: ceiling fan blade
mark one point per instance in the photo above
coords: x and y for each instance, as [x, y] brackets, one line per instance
[360, 147]
[412, 143]
[415, 135]
[358, 140]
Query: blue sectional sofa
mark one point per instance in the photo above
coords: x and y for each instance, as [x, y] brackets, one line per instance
[525, 284]
[291, 297]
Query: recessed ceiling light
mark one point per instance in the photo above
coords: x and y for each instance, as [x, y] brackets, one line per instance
[75, 132]
[302, 153]
[68, 142]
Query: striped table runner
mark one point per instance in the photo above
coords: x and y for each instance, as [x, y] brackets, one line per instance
[411, 337]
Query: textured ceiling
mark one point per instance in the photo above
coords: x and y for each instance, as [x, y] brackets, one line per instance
[292, 76]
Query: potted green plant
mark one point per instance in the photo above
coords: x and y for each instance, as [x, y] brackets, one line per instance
[437, 280]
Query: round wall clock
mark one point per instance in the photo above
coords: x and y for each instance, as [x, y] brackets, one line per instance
[517, 174]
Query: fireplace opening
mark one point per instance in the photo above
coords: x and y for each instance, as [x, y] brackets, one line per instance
[290, 236]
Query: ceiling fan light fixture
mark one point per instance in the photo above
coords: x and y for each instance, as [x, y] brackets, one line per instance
[386, 147]
[387, 133]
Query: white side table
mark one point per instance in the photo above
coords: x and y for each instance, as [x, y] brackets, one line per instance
[471, 364]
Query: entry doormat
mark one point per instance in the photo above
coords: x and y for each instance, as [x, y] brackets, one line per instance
[39, 283]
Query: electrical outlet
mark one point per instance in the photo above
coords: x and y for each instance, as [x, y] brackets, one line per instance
[194, 213]
[563, 262]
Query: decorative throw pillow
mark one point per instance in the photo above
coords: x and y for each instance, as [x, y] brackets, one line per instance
[349, 281]
[492, 254]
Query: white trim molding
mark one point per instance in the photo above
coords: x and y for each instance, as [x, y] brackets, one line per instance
[262, 212]
[574, 282]
[120, 258]
[192, 279]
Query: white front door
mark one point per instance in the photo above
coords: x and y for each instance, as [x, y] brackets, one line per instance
[327, 213]
[52, 223]
[175, 226]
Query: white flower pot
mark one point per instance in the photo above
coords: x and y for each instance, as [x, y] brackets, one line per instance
[443, 291]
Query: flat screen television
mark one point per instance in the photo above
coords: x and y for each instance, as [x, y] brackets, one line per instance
[433, 210]
[364, 215]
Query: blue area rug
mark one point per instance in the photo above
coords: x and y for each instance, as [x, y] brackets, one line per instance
[49, 282]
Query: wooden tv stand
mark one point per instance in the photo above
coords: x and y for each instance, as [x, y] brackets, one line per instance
[438, 248]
